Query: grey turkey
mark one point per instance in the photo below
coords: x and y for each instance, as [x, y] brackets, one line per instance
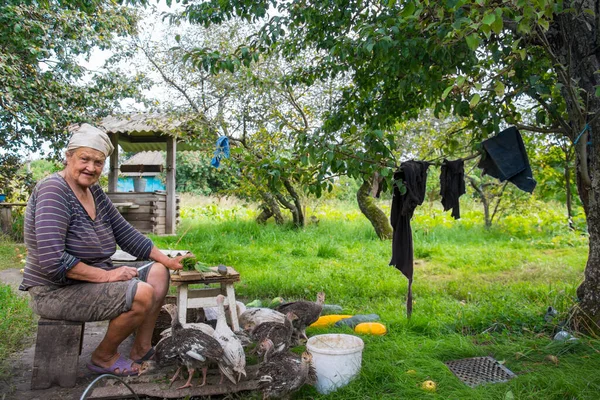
[279, 334]
[187, 347]
[256, 316]
[307, 312]
[284, 374]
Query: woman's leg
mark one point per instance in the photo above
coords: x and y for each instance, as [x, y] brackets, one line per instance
[123, 325]
[158, 277]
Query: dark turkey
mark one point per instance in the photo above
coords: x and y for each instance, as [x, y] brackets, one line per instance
[307, 312]
[279, 334]
[189, 347]
[285, 373]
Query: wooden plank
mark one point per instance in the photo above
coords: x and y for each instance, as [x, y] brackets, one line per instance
[57, 349]
[6, 220]
[140, 168]
[159, 230]
[203, 293]
[5, 204]
[206, 277]
[171, 221]
[113, 170]
[132, 217]
[144, 210]
[144, 226]
[235, 324]
[141, 216]
[142, 198]
[158, 387]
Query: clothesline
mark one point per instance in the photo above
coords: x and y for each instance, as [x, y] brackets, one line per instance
[504, 158]
[467, 158]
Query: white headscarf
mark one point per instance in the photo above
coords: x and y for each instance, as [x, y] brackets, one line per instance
[86, 135]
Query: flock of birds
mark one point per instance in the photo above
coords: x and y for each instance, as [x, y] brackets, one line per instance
[274, 331]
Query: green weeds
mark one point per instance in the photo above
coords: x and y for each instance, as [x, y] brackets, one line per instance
[477, 292]
[16, 325]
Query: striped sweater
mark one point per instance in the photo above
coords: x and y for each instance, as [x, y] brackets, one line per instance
[59, 233]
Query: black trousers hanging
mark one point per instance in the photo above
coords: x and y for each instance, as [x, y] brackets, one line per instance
[412, 178]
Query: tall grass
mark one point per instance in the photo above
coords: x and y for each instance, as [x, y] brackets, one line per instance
[476, 292]
[16, 326]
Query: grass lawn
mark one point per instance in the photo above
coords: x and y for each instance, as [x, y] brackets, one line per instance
[16, 318]
[476, 293]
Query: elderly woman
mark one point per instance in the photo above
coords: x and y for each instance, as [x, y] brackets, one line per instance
[71, 232]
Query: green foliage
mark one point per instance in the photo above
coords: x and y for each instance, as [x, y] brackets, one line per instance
[188, 263]
[196, 175]
[475, 60]
[40, 169]
[43, 46]
[344, 189]
[252, 105]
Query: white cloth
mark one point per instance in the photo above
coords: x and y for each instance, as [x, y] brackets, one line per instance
[86, 135]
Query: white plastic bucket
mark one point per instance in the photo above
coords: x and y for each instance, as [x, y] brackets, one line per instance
[336, 358]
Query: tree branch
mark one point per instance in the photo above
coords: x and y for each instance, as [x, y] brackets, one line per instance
[531, 128]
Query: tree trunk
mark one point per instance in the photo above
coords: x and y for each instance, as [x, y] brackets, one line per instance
[577, 47]
[587, 315]
[373, 213]
[300, 210]
[484, 202]
[264, 215]
[272, 207]
[497, 206]
[295, 206]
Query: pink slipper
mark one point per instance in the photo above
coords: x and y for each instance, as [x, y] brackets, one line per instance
[122, 364]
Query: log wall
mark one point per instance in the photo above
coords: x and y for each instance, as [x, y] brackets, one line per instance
[148, 215]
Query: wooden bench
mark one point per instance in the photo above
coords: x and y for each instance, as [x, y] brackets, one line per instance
[57, 349]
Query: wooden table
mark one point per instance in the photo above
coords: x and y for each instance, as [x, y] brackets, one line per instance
[206, 297]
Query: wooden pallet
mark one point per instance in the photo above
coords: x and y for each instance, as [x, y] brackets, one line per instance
[158, 386]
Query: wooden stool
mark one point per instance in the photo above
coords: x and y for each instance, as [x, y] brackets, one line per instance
[57, 350]
[206, 297]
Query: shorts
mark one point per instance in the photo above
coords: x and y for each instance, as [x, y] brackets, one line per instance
[86, 301]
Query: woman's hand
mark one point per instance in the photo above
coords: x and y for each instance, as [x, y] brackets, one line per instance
[121, 274]
[174, 263]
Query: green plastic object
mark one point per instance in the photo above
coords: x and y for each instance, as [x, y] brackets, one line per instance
[255, 303]
[329, 309]
[357, 319]
[276, 302]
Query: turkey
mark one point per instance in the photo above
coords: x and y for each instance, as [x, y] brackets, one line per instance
[285, 373]
[234, 357]
[187, 347]
[306, 311]
[209, 330]
[279, 334]
[256, 316]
